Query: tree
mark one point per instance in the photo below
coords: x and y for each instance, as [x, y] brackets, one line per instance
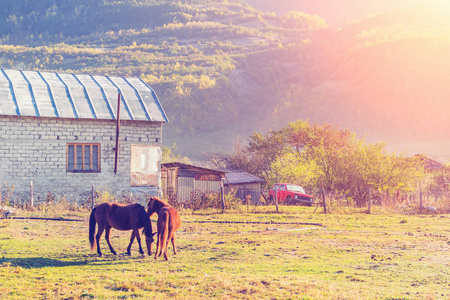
[169, 155]
[324, 144]
[316, 155]
[370, 166]
[265, 149]
[294, 168]
[239, 159]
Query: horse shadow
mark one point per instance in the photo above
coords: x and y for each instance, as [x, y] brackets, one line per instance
[67, 261]
[39, 262]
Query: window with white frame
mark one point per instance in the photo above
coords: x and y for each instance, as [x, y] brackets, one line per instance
[145, 165]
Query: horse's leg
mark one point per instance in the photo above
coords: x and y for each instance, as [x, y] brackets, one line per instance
[157, 244]
[173, 244]
[163, 228]
[166, 246]
[162, 243]
[149, 242]
[107, 232]
[97, 238]
[131, 242]
[138, 237]
[171, 237]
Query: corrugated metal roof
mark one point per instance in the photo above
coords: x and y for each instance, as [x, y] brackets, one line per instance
[46, 94]
[240, 177]
[190, 166]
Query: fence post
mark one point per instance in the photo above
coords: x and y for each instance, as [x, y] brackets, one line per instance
[261, 192]
[222, 192]
[276, 200]
[323, 197]
[370, 198]
[324, 202]
[31, 193]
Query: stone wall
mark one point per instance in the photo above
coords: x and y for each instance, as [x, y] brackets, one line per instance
[35, 149]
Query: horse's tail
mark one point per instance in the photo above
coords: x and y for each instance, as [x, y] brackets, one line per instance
[92, 222]
[165, 217]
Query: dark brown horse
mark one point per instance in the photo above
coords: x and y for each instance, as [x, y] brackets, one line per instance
[122, 217]
[168, 222]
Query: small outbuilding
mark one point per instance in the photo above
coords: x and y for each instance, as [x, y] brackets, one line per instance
[182, 182]
[60, 134]
[243, 184]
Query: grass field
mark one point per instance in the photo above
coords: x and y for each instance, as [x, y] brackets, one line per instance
[278, 256]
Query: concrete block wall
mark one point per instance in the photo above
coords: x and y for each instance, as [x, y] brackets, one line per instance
[35, 149]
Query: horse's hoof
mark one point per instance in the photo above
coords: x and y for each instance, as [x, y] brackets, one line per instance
[99, 255]
[128, 253]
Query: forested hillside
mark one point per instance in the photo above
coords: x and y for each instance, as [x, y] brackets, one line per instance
[224, 69]
[49, 18]
[338, 13]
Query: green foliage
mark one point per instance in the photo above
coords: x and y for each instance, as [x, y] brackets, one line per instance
[255, 157]
[324, 156]
[202, 201]
[370, 166]
[264, 149]
[301, 20]
[437, 183]
[78, 18]
[104, 195]
[292, 168]
[351, 167]
[169, 155]
[6, 193]
[324, 144]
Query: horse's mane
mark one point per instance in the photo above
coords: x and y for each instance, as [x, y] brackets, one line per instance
[154, 205]
[164, 203]
[144, 220]
[156, 202]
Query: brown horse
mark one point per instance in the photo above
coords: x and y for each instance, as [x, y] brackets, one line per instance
[122, 217]
[168, 222]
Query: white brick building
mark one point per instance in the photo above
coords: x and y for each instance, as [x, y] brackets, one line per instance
[59, 132]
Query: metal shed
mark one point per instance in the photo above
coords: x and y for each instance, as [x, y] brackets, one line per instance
[243, 184]
[182, 181]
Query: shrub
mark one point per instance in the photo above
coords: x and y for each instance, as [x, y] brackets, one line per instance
[201, 200]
